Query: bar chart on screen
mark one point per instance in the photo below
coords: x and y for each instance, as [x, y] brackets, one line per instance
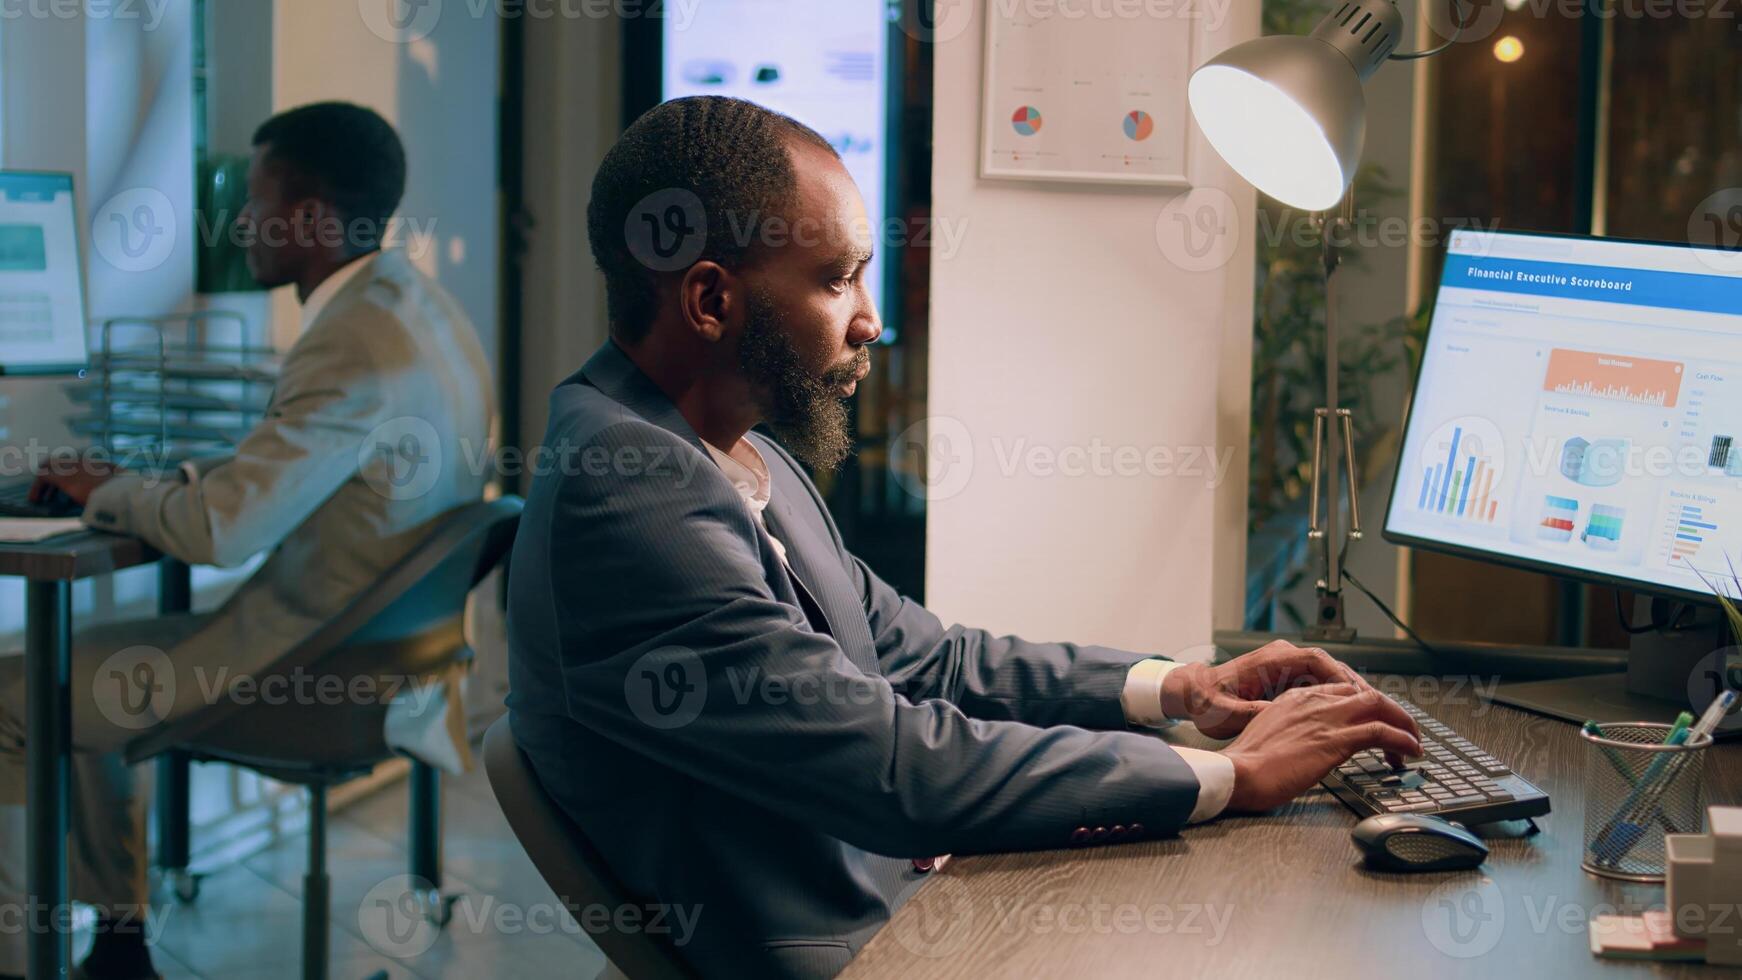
[1460, 468]
[1686, 525]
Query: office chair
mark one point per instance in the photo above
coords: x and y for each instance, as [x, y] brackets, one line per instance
[409, 624]
[569, 863]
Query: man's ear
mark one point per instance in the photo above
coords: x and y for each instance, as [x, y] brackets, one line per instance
[310, 217]
[711, 300]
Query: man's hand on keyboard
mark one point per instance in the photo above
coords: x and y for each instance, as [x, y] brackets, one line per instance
[77, 476]
[1222, 699]
[1307, 732]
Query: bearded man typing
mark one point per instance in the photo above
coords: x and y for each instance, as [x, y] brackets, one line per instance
[736, 711]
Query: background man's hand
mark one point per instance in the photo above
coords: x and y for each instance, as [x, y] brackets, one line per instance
[76, 476]
[1221, 700]
[1306, 733]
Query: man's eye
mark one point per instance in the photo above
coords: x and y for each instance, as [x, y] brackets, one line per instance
[840, 285]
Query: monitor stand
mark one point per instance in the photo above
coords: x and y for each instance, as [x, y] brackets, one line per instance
[1673, 668]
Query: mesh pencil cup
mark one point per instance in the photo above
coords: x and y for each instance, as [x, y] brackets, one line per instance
[1638, 789]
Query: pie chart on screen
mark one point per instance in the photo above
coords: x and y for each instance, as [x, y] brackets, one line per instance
[1026, 120]
[1139, 125]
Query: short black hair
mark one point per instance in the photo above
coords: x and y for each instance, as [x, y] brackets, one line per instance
[729, 153]
[341, 153]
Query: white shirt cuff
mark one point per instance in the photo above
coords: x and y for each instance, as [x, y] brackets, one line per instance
[1215, 781]
[1141, 697]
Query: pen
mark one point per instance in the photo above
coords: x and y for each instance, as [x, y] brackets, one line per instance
[1716, 711]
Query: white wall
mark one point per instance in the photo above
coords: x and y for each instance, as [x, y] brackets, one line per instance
[440, 91]
[1061, 320]
[38, 133]
[573, 94]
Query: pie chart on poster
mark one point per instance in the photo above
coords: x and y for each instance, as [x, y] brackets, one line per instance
[1139, 125]
[1026, 120]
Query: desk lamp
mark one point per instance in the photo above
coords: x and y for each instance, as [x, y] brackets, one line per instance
[1287, 113]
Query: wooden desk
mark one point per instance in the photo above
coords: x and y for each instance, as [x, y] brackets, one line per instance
[1284, 895]
[50, 568]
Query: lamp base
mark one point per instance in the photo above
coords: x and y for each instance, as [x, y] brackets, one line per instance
[1330, 627]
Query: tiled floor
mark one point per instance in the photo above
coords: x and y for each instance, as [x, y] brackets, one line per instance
[246, 922]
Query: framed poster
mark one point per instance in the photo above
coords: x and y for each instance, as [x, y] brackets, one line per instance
[1077, 96]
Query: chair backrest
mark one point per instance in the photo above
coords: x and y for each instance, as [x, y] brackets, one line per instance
[568, 861]
[423, 591]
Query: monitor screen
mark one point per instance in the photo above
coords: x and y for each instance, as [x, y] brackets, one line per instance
[42, 299]
[824, 64]
[1579, 411]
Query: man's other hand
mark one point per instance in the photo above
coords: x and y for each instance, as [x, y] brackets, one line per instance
[1306, 733]
[1221, 700]
[76, 476]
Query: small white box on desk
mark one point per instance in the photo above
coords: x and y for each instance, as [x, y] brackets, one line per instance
[1703, 889]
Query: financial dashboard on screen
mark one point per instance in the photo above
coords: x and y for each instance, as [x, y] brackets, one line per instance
[42, 299]
[1579, 410]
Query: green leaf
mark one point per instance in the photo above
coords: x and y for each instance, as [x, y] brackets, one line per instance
[1730, 611]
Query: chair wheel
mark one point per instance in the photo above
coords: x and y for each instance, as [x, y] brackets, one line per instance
[435, 907]
[185, 886]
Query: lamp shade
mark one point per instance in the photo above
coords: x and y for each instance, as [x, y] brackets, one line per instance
[1287, 112]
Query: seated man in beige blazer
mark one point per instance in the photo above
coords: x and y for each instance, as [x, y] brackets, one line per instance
[386, 361]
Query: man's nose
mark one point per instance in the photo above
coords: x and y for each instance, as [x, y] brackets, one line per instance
[865, 330]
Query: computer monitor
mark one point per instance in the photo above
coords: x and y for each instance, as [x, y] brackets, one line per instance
[42, 295]
[1578, 411]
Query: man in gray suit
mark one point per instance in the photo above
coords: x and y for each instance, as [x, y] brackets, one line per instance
[319, 485]
[770, 746]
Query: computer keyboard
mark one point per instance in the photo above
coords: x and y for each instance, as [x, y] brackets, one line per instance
[1455, 779]
[15, 502]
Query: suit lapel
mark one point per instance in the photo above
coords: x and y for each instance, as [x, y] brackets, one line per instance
[817, 573]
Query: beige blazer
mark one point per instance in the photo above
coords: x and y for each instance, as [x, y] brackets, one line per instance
[380, 422]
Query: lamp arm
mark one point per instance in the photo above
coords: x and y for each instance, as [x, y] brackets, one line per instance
[1333, 437]
[1457, 31]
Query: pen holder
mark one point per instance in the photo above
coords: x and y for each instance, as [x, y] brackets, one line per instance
[1638, 789]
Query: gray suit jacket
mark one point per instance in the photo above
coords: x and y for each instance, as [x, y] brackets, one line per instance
[765, 752]
[320, 483]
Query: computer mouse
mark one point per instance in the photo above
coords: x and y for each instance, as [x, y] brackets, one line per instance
[1417, 842]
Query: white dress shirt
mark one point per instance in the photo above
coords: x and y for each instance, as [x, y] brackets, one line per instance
[1141, 698]
[330, 286]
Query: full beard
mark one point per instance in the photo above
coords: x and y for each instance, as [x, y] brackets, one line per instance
[805, 410]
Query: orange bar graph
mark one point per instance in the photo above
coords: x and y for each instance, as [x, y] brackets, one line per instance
[1625, 378]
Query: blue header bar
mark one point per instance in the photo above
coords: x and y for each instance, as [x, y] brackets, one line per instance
[1605, 284]
[33, 188]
